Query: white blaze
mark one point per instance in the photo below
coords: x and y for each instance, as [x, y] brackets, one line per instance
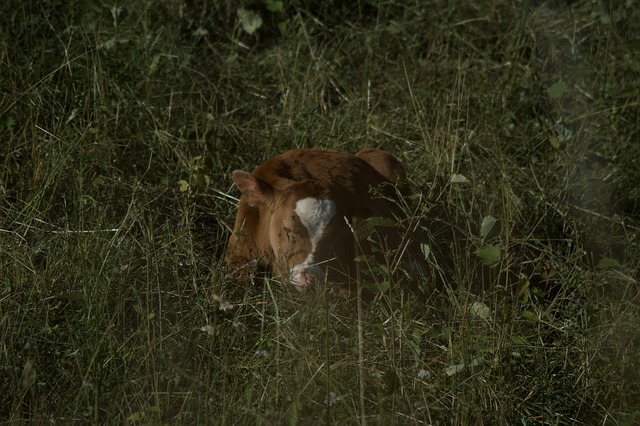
[315, 214]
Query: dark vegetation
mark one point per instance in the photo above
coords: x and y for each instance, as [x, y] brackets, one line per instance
[519, 125]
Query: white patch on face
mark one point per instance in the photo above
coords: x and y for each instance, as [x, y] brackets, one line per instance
[315, 214]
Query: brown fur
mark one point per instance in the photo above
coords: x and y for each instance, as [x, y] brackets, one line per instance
[267, 232]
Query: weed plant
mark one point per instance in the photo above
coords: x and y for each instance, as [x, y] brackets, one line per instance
[518, 122]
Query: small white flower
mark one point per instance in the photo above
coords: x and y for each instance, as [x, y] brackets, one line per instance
[424, 374]
[333, 398]
[223, 305]
[263, 354]
[208, 329]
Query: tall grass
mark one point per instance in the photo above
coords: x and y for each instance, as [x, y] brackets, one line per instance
[120, 125]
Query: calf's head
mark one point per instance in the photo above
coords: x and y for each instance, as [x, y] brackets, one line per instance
[292, 223]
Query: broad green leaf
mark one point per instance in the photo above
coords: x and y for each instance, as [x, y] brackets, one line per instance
[608, 263]
[490, 255]
[476, 362]
[378, 221]
[366, 228]
[454, 369]
[393, 28]
[480, 310]
[136, 417]
[519, 340]
[457, 368]
[200, 32]
[97, 182]
[183, 185]
[530, 316]
[249, 20]
[416, 334]
[426, 250]
[273, 5]
[456, 178]
[282, 27]
[603, 12]
[557, 89]
[555, 143]
[9, 122]
[487, 226]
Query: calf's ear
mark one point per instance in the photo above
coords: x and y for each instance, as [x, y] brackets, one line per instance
[256, 191]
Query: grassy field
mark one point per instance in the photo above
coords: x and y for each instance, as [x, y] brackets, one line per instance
[120, 125]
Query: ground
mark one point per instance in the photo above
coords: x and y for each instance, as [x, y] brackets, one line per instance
[517, 121]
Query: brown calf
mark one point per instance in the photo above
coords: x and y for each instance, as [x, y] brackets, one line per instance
[296, 210]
